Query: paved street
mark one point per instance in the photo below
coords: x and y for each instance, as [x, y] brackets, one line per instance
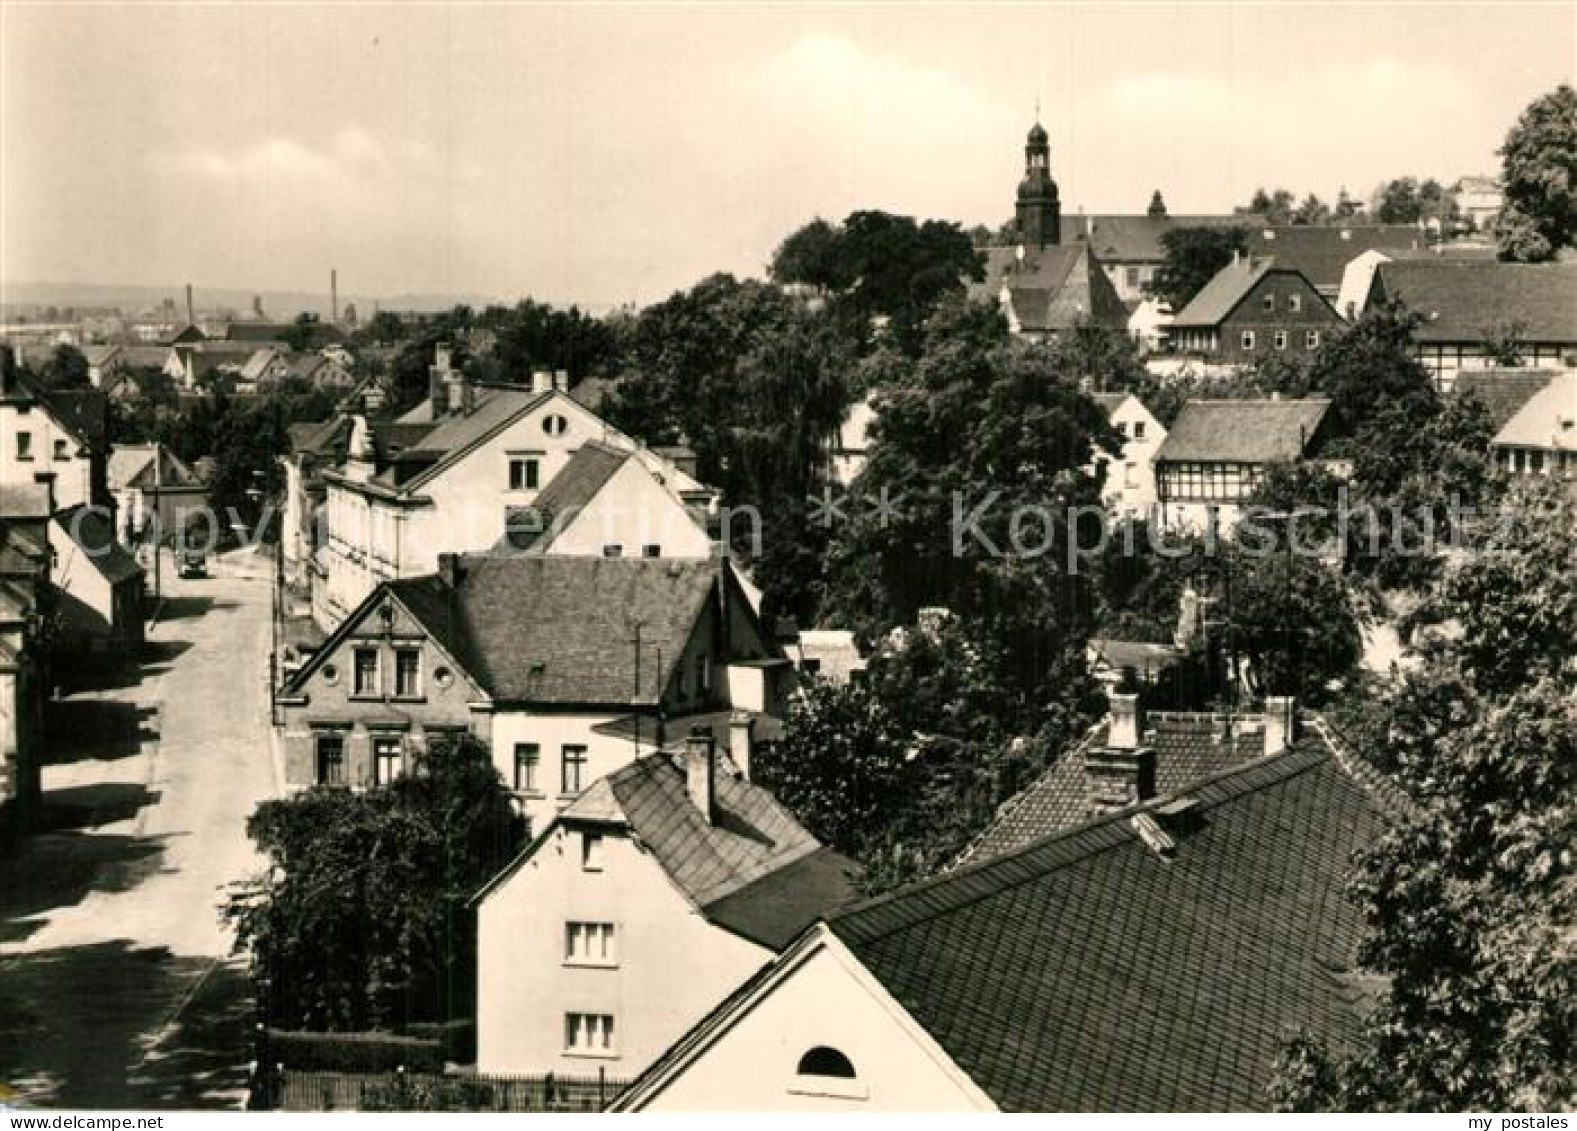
[116, 989]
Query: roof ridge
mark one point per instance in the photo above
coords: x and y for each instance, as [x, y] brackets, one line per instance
[1289, 763]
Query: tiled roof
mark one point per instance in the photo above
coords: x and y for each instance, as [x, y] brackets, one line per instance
[94, 534]
[1548, 420]
[1503, 391]
[1322, 252]
[1243, 431]
[324, 437]
[1085, 972]
[1227, 287]
[84, 411]
[323, 333]
[568, 493]
[448, 437]
[1187, 747]
[1137, 239]
[1052, 288]
[1460, 300]
[754, 869]
[132, 465]
[562, 629]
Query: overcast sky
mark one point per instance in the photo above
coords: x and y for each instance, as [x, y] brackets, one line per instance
[614, 154]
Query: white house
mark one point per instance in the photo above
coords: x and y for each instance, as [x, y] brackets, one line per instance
[1541, 438]
[568, 666]
[52, 439]
[448, 477]
[1130, 473]
[647, 901]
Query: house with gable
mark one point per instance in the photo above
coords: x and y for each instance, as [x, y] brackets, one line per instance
[1218, 451]
[1540, 438]
[153, 488]
[1253, 309]
[1464, 304]
[568, 667]
[26, 608]
[649, 899]
[1130, 471]
[57, 439]
[100, 585]
[449, 476]
[1149, 956]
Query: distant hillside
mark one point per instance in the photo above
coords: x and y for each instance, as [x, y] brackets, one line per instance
[278, 304]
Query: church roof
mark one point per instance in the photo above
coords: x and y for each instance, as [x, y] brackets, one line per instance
[1051, 288]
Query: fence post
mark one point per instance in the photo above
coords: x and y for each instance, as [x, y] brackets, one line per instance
[602, 1080]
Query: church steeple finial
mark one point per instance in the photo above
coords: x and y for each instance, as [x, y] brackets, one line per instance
[1039, 211]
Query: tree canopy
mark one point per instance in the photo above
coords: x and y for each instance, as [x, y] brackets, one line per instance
[1539, 177]
[1193, 256]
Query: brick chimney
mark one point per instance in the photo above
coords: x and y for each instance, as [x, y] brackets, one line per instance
[1281, 718]
[700, 772]
[741, 741]
[1121, 773]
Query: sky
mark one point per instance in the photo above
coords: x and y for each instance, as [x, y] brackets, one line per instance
[613, 154]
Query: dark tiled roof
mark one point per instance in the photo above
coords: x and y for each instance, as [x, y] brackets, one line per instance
[323, 333]
[1187, 748]
[84, 411]
[1053, 288]
[1228, 287]
[1503, 391]
[1460, 299]
[723, 866]
[1322, 252]
[561, 629]
[94, 534]
[1243, 431]
[568, 493]
[325, 437]
[1087, 973]
[1137, 239]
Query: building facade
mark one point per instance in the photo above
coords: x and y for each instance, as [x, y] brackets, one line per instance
[1251, 311]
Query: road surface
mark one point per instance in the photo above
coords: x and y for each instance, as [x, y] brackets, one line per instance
[117, 988]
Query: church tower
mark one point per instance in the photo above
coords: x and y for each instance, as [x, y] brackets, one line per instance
[1039, 211]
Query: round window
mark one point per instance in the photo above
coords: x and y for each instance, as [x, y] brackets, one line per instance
[330, 673]
[443, 677]
[554, 424]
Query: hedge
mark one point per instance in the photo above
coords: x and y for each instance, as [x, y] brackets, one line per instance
[355, 1052]
[457, 1038]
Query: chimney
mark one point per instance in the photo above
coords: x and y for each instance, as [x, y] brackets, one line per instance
[1280, 723]
[1127, 722]
[561, 380]
[451, 569]
[700, 772]
[541, 381]
[741, 740]
[333, 296]
[191, 309]
[1115, 778]
[360, 453]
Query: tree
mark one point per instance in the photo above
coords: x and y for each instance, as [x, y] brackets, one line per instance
[362, 920]
[65, 368]
[1371, 367]
[1346, 207]
[384, 328]
[813, 255]
[1193, 257]
[1539, 176]
[1469, 893]
[1276, 207]
[1157, 209]
[534, 335]
[302, 334]
[1313, 210]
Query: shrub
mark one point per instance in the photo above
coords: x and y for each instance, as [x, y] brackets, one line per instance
[355, 1052]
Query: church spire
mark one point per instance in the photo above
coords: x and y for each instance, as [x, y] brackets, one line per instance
[1039, 211]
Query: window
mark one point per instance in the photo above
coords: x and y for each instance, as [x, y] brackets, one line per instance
[1247, 340]
[524, 473]
[824, 1061]
[1138, 429]
[1130, 475]
[388, 758]
[1280, 339]
[1311, 339]
[572, 771]
[1131, 274]
[589, 944]
[591, 852]
[365, 679]
[613, 550]
[407, 672]
[1270, 300]
[331, 759]
[62, 450]
[588, 1034]
[1294, 303]
[528, 756]
[651, 550]
[554, 424]
[24, 445]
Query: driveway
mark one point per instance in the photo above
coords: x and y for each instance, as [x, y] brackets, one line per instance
[117, 988]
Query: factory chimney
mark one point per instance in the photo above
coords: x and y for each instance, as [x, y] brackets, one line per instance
[191, 310]
[333, 296]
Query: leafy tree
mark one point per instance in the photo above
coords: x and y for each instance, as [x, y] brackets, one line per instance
[65, 368]
[1193, 256]
[1276, 207]
[534, 335]
[815, 255]
[1346, 207]
[1312, 210]
[1539, 175]
[1370, 367]
[302, 334]
[384, 328]
[361, 920]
